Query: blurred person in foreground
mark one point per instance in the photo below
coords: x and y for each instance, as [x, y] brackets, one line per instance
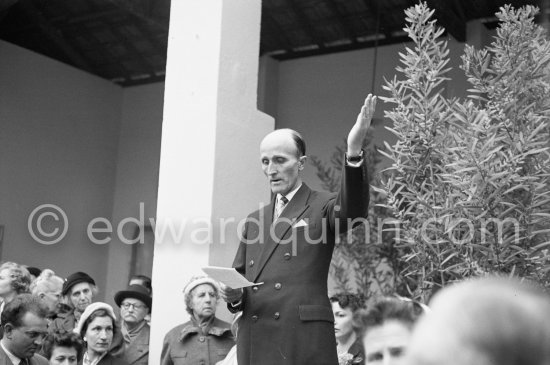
[349, 345]
[205, 339]
[489, 321]
[25, 326]
[97, 328]
[386, 328]
[79, 290]
[135, 303]
[63, 348]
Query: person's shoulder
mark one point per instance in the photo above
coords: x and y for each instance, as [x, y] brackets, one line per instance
[112, 360]
[177, 330]
[39, 359]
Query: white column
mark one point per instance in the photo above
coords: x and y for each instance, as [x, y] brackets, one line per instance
[209, 168]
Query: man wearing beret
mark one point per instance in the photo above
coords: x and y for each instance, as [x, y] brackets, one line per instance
[135, 304]
[79, 289]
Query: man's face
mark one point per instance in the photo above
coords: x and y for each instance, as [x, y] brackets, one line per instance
[386, 344]
[280, 162]
[25, 340]
[133, 311]
[81, 296]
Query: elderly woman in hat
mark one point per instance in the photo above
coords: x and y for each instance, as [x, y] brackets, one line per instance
[78, 291]
[97, 327]
[135, 305]
[205, 339]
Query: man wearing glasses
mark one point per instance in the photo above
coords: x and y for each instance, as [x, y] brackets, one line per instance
[135, 304]
[25, 326]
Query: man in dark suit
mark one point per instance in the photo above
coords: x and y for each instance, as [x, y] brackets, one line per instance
[288, 247]
[25, 326]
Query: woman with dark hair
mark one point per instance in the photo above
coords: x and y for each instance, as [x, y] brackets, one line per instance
[97, 327]
[62, 348]
[349, 345]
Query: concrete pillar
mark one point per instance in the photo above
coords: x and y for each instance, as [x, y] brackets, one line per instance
[209, 164]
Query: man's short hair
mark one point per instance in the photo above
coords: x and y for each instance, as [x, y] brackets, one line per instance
[22, 304]
[298, 141]
[388, 309]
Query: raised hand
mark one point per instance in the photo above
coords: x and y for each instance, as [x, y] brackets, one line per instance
[359, 130]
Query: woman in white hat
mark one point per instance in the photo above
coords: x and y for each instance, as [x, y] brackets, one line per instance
[204, 339]
[97, 327]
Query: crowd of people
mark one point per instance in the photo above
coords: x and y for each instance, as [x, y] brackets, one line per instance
[50, 320]
[46, 319]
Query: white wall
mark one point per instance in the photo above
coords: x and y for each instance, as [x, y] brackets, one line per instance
[58, 145]
[136, 177]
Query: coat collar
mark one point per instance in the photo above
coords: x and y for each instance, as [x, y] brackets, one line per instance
[216, 328]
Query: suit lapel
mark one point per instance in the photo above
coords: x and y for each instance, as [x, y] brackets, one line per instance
[274, 235]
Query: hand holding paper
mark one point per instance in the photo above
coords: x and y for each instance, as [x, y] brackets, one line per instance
[228, 276]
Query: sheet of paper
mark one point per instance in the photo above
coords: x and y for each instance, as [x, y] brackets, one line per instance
[228, 276]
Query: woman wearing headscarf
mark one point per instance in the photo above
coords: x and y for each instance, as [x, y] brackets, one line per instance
[97, 327]
[204, 339]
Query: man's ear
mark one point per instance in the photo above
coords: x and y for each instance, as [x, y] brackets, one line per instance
[302, 162]
[42, 295]
[8, 330]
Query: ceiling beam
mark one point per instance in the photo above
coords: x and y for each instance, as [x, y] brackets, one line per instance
[55, 35]
[341, 48]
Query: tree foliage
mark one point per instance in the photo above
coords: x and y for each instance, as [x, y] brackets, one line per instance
[470, 179]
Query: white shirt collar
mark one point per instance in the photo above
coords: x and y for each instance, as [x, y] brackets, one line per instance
[291, 194]
[14, 359]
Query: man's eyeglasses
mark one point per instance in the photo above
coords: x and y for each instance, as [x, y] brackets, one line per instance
[133, 305]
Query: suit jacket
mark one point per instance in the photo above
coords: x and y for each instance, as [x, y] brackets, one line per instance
[111, 360]
[35, 360]
[288, 319]
[137, 352]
